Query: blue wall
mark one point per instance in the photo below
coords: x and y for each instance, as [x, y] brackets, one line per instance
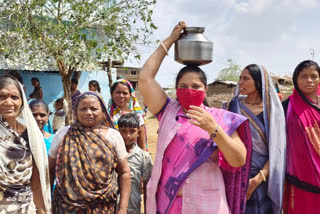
[52, 87]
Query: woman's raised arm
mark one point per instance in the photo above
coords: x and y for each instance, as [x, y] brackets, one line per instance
[153, 94]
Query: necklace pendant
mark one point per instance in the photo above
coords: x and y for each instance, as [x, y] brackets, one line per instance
[252, 103]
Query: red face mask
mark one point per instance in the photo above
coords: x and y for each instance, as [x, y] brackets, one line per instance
[188, 96]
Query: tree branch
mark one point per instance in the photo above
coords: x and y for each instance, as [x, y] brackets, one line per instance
[58, 11]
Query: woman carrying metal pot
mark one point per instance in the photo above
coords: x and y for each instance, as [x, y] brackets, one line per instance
[201, 163]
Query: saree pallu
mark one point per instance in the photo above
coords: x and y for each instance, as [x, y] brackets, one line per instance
[302, 191]
[21, 156]
[267, 198]
[269, 143]
[85, 173]
[259, 201]
[189, 152]
[15, 172]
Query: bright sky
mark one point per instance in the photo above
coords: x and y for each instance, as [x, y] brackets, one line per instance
[277, 34]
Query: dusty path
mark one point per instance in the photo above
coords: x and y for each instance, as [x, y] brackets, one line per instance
[152, 129]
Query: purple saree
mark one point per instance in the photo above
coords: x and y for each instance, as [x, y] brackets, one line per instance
[191, 147]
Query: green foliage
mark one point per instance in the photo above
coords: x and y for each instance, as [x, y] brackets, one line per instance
[230, 73]
[73, 34]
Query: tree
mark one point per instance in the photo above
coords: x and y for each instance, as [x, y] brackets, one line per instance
[231, 72]
[73, 35]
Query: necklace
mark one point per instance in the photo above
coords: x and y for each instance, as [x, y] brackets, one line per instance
[252, 103]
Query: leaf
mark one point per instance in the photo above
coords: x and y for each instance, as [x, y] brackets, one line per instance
[231, 72]
[137, 56]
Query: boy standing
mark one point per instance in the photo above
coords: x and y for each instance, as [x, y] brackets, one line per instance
[140, 162]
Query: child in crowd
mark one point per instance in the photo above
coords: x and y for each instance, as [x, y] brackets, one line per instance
[59, 117]
[140, 162]
[37, 91]
[94, 86]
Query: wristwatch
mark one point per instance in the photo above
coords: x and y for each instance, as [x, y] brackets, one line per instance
[214, 134]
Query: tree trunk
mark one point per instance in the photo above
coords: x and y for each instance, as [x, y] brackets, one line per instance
[109, 71]
[66, 81]
[77, 75]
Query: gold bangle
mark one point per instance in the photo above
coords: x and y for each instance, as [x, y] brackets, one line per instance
[164, 48]
[264, 177]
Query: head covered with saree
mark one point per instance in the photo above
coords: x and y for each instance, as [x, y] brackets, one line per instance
[303, 132]
[115, 110]
[16, 174]
[268, 135]
[86, 166]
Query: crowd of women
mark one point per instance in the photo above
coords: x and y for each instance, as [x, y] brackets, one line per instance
[255, 155]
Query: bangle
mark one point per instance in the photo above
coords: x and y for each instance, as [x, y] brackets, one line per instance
[264, 177]
[214, 134]
[164, 48]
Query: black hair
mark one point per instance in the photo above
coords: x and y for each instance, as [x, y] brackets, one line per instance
[16, 75]
[38, 102]
[255, 73]
[130, 120]
[83, 96]
[196, 70]
[35, 79]
[302, 65]
[60, 100]
[193, 69]
[8, 80]
[88, 94]
[95, 83]
[113, 87]
[75, 81]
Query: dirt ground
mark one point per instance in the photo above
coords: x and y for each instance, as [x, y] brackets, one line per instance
[152, 129]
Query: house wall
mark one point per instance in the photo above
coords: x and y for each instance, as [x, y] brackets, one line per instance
[52, 87]
[131, 74]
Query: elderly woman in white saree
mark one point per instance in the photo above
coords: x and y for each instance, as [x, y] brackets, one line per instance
[260, 103]
[24, 177]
